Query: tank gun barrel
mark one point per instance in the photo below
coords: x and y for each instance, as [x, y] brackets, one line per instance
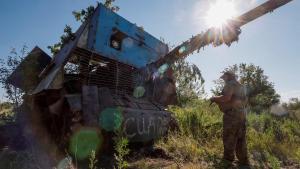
[227, 34]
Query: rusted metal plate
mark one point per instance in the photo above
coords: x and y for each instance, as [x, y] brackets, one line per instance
[90, 105]
[105, 97]
[74, 101]
[57, 107]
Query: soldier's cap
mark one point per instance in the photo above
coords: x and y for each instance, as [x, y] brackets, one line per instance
[228, 73]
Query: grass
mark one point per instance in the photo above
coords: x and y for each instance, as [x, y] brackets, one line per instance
[122, 150]
[272, 141]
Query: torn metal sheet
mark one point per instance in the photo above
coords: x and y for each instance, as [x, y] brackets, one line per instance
[74, 101]
[47, 82]
[26, 74]
[57, 107]
[60, 59]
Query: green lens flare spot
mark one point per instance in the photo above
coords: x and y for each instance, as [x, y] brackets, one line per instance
[111, 119]
[182, 49]
[84, 141]
[162, 69]
[139, 92]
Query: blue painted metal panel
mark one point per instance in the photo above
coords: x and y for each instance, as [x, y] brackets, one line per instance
[138, 48]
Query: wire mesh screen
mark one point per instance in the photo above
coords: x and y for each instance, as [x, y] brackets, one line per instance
[104, 72]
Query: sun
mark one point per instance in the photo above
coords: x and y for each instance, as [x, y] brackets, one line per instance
[219, 12]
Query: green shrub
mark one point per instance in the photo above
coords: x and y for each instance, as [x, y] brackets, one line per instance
[182, 147]
[199, 120]
[122, 150]
[6, 113]
[275, 137]
[92, 160]
[273, 161]
[270, 139]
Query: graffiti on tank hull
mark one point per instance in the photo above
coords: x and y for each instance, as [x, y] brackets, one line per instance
[145, 126]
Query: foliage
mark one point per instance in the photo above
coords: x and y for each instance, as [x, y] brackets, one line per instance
[6, 113]
[273, 136]
[189, 81]
[82, 16]
[182, 148]
[109, 5]
[65, 38]
[199, 119]
[5, 106]
[294, 104]
[293, 107]
[272, 141]
[92, 160]
[122, 150]
[7, 66]
[200, 132]
[261, 92]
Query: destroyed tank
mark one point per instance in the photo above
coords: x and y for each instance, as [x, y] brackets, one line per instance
[112, 77]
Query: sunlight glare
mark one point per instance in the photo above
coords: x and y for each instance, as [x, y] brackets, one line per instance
[219, 12]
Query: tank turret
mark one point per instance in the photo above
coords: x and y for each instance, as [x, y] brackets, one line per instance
[113, 76]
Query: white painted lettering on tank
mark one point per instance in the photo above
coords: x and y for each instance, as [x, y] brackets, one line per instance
[141, 129]
[126, 127]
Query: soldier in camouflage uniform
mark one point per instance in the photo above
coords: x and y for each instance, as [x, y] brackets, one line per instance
[232, 103]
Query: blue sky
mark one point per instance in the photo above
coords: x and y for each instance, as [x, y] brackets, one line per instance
[271, 42]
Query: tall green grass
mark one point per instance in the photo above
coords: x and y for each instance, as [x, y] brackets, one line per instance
[272, 141]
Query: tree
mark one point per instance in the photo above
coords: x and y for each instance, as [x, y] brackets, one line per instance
[7, 66]
[189, 81]
[82, 16]
[65, 38]
[293, 108]
[260, 91]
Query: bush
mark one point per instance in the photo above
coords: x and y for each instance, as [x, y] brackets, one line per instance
[121, 150]
[199, 120]
[275, 138]
[272, 141]
[200, 133]
[182, 148]
[6, 113]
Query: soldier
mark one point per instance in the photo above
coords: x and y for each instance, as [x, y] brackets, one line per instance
[232, 103]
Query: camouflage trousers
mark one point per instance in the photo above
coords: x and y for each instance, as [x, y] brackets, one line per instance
[234, 138]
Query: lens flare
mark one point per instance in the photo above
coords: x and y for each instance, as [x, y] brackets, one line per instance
[182, 49]
[84, 141]
[219, 12]
[139, 92]
[163, 68]
[111, 119]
